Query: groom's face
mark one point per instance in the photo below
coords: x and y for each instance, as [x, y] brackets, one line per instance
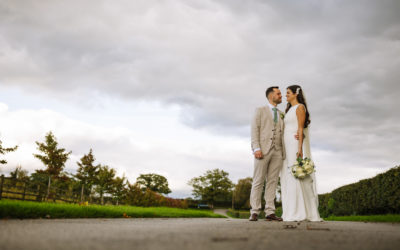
[276, 96]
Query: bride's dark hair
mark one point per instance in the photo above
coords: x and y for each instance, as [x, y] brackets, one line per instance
[300, 99]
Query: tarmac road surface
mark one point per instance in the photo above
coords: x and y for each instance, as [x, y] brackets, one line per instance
[199, 233]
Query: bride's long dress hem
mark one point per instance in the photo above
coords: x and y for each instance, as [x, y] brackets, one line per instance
[299, 197]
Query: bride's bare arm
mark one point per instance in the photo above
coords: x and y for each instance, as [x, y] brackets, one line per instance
[301, 119]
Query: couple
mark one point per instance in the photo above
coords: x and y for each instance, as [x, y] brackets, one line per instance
[277, 140]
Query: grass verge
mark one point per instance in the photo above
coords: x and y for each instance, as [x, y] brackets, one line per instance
[27, 209]
[367, 218]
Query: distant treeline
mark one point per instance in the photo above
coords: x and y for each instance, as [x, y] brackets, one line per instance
[92, 183]
[377, 195]
[98, 183]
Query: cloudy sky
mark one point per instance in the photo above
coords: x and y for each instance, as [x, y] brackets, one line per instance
[170, 86]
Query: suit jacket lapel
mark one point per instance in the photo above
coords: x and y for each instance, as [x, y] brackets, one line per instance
[269, 113]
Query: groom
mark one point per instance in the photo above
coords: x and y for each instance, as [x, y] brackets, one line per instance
[269, 151]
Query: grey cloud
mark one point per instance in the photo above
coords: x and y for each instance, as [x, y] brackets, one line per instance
[215, 59]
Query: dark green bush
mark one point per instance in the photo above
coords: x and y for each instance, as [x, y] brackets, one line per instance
[377, 195]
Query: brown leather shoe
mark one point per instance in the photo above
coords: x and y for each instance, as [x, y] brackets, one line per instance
[272, 217]
[253, 217]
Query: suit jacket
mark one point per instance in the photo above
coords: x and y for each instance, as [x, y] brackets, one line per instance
[261, 130]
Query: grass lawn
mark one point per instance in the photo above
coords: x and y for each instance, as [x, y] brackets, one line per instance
[28, 209]
[366, 218]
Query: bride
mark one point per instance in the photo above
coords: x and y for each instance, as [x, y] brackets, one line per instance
[299, 196]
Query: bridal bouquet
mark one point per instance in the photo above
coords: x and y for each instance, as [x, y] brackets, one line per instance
[303, 168]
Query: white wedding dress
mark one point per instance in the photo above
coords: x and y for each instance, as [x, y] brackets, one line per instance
[299, 197]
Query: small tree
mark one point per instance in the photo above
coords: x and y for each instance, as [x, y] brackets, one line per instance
[213, 186]
[4, 151]
[38, 180]
[154, 182]
[119, 188]
[19, 175]
[134, 195]
[104, 183]
[87, 172]
[53, 158]
[242, 193]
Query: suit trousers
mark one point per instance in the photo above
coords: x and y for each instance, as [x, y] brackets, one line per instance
[265, 170]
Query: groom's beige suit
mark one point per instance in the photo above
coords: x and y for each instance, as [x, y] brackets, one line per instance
[267, 136]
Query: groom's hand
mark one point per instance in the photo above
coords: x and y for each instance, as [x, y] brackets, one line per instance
[258, 154]
[297, 137]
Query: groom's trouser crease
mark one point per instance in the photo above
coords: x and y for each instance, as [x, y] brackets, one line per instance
[265, 169]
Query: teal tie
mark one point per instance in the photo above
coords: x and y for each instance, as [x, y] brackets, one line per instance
[275, 114]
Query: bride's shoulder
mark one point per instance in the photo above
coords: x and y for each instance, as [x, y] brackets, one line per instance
[300, 107]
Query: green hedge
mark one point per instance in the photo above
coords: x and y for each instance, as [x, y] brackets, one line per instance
[377, 195]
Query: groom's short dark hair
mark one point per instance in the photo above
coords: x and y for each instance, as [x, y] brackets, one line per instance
[270, 90]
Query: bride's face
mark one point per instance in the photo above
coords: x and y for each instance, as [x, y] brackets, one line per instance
[290, 96]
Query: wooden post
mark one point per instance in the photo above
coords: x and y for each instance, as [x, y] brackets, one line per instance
[1, 185]
[23, 195]
[83, 187]
[38, 194]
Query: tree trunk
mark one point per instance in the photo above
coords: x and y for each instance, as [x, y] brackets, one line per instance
[48, 189]
[90, 195]
[233, 200]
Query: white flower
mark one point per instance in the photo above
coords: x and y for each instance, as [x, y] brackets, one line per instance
[302, 168]
[309, 169]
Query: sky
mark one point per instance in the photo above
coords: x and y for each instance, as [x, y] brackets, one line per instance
[170, 86]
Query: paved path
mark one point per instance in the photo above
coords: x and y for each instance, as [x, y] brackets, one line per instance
[221, 211]
[180, 234]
